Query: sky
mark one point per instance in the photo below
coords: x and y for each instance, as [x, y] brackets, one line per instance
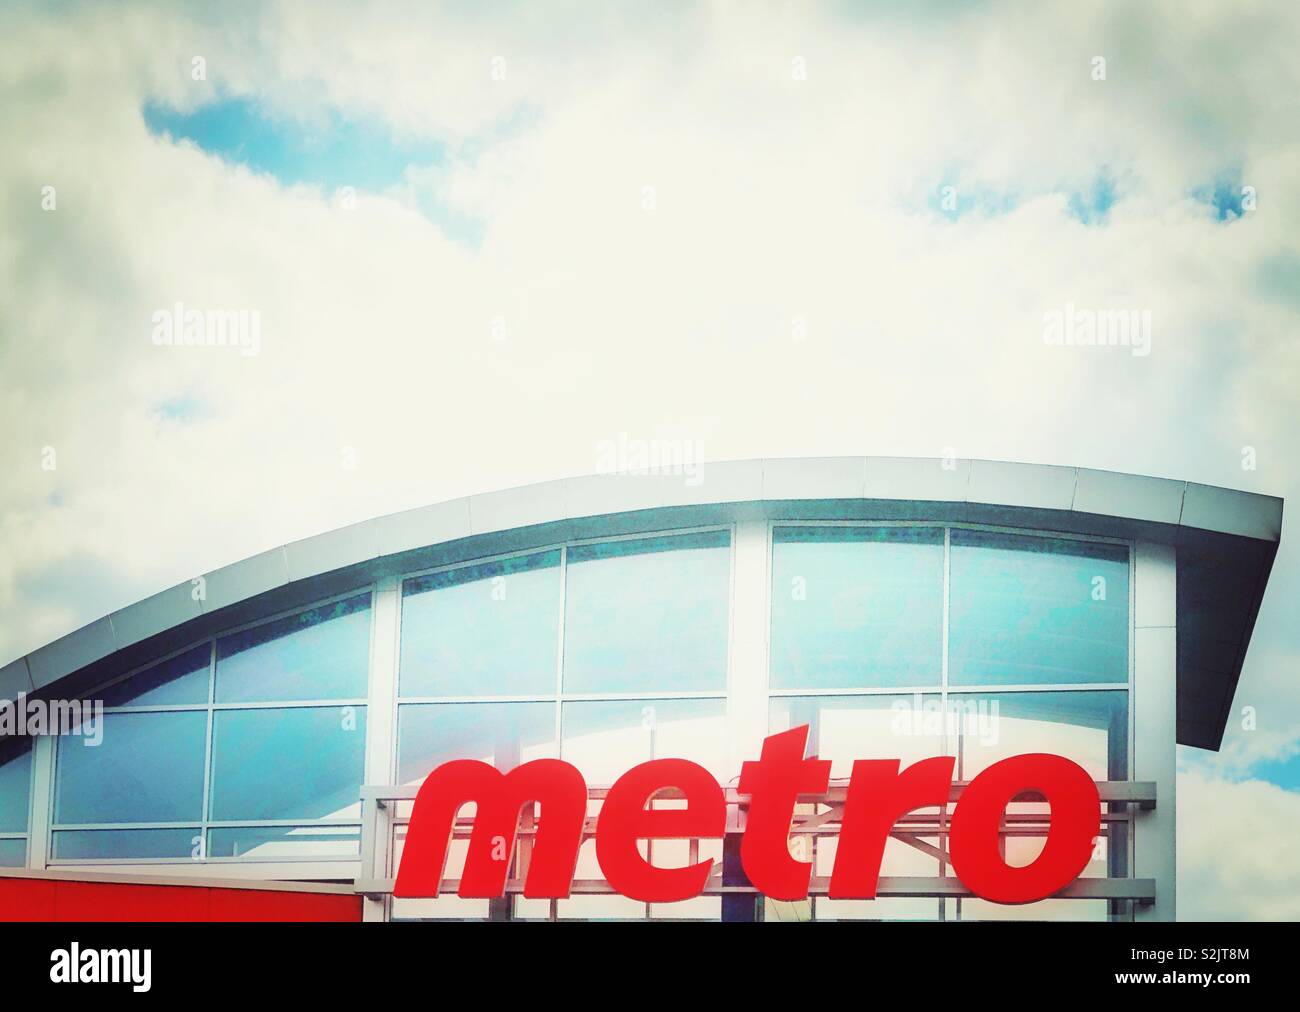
[483, 241]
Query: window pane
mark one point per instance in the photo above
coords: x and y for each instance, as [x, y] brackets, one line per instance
[648, 615]
[1089, 727]
[15, 783]
[845, 728]
[299, 763]
[503, 734]
[13, 853]
[323, 653]
[180, 681]
[1032, 611]
[856, 606]
[123, 844]
[605, 739]
[484, 630]
[149, 768]
[285, 843]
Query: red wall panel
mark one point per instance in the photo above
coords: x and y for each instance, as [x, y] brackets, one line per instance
[63, 900]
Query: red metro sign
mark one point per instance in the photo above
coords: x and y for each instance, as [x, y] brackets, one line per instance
[878, 794]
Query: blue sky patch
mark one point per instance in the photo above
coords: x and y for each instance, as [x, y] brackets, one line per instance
[1091, 206]
[332, 152]
[1224, 195]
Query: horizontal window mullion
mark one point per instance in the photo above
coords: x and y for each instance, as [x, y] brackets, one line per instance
[955, 690]
[111, 826]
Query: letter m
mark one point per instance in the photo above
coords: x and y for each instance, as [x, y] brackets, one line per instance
[557, 786]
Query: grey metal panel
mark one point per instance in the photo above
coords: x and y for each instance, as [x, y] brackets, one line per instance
[1038, 486]
[542, 503]
[728, 481]
[428, 525]
[75, 650]
[325, 553]
[917, 478]
[1129, 495]
[155, 614]
[14, 678]
[252, 576]
[1232, 512]
[815, 478]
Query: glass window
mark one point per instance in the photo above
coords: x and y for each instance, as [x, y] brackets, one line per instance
[606, 738]
[502, 734]
[296, 763]
[648, 614]
[489, 629]
[1089, 727]
[126, 844]
[1033, 611]
[15, 784]
[13, 853]
[285, 843]
[148, 768]
[856, 606]
[322, 653]
[180, 681]
[845, 728]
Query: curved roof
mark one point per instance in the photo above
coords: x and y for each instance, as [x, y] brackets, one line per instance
[1225, 542]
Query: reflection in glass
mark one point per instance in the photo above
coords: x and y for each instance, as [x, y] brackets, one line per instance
[856, 607]
[322, 653]
[148, 768]
[15, 783]
[502, 734]
[1028, 610]
[13, 853]
[845, 728]
[126, 844]
[285, 843]
[485, 630]
[1090, 727]
[648, 614]
[606, 738]
[297, 763]
[180, 681]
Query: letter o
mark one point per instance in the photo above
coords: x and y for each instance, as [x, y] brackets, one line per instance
[1075, 823]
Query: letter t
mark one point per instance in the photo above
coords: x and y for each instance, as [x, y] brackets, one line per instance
[774, 784]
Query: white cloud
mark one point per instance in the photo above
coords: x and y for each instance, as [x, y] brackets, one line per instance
[1236, 851]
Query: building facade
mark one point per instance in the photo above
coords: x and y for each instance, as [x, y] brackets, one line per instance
[265, 726]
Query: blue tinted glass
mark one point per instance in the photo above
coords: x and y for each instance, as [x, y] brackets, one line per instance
[1089, 727]
[856, 606]
[489, 629]
[121, 844]
[605, 738]
[323, 653]
[1034, 611]
[15, 783]
[503, 734]
[148, 768]
[298, 763]
[181, 681]
[648, 614]
[13, 853]
[284, 843]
